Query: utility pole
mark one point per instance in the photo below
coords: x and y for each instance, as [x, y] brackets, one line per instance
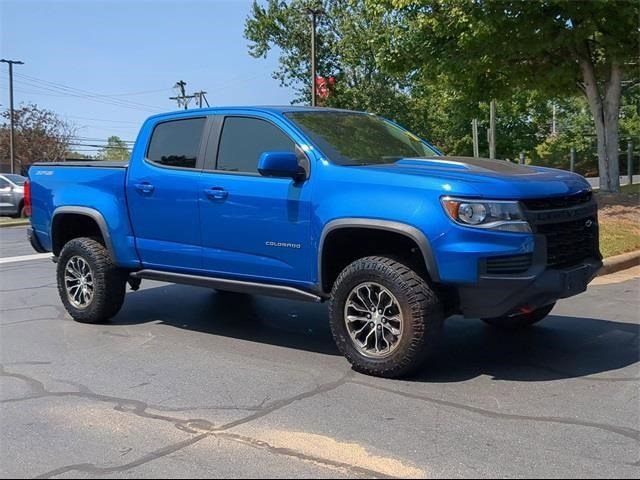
[11, 128]
[492, 130]
[201, 96]
[553, 122]
[314, 12]
[182, 99]
[474, 134]
[572, 159]
[630, 161]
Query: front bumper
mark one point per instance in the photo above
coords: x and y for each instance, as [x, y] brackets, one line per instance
[497, 296]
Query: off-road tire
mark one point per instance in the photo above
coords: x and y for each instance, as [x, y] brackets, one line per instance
[519, 322]
[421, 309]
[109, 281]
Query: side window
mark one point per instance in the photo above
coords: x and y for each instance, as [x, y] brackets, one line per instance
[244, 139]
[4, 183]
[176, 143]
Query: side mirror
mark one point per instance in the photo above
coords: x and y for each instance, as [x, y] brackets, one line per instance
[281, 164]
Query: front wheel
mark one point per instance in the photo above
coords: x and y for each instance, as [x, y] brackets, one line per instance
[384, 317]
[90, 285]
[522, 321]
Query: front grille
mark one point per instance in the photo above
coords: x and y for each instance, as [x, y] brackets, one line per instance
[568, 243]
[554, 203]
[509, 264]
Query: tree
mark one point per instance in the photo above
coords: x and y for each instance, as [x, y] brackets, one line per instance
[40, 135]
[491, 49]
[349, 36]
[116, 149]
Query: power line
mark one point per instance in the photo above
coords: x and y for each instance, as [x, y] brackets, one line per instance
[88, 93]
[101, 119]
[56, 88]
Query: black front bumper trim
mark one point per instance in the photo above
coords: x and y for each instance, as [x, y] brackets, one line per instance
[497, 296]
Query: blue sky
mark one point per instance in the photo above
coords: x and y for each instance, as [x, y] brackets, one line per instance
[133, 52]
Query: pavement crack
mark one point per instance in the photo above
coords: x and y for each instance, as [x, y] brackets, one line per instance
[201, 428]
[149, 457]
[627, 432]
[139, 408]
[279, 404]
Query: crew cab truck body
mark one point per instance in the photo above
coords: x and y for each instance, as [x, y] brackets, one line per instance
[319, 204]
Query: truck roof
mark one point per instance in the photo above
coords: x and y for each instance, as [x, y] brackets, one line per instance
[257, 108]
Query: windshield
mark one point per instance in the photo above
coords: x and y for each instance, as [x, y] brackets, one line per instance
[350, 138]
[17, 179]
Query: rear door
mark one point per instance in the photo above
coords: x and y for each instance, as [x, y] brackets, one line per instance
[162, 194]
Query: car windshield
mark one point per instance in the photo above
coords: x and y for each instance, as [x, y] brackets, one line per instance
[351, 138]
[17, 179]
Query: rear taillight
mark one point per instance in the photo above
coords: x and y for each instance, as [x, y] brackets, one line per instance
[27, 198]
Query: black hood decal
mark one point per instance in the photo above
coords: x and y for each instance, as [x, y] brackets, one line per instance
[467, 163]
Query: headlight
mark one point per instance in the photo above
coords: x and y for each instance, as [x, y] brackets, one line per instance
[506, 216]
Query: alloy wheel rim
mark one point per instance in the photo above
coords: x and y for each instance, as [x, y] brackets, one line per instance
[373, 319]
[78, 281]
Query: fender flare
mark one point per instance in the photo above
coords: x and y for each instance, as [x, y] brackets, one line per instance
[407, 230]
[87, 212]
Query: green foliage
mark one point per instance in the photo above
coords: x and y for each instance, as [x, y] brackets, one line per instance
[491, 49]
[116, 149]
[433, 66]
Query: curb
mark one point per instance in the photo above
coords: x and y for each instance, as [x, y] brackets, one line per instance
[14, 223]
[619, 262]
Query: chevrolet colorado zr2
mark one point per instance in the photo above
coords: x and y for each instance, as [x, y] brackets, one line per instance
[319, 204]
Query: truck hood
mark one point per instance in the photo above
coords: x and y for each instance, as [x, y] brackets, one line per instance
[487, 178]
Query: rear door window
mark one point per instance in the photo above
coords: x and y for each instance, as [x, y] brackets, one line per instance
[176, 143]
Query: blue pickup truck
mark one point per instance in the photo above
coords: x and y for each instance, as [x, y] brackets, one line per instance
[319, 204]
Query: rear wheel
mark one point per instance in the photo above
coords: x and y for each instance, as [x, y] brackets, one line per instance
[519, 322]
[384, 317]
[90, 285]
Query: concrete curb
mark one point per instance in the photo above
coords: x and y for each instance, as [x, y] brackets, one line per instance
[14, 223]
[620, 262]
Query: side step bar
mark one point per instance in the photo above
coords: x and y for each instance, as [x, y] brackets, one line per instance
[282, 291]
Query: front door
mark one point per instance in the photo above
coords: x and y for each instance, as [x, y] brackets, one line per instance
[253, 226]
[162, 194]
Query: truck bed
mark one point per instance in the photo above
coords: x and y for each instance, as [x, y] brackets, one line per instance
[98, 187]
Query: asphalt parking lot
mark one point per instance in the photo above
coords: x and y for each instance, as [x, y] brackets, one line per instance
[187, 382]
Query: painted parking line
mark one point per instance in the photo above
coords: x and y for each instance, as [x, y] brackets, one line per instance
[25, 258]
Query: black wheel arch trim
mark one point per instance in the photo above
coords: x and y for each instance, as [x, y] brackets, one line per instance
[87, 212]
[388, 225]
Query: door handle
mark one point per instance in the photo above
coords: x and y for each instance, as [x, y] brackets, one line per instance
[216, 193]
[145, 187]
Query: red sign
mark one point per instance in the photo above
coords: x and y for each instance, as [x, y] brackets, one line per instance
[324, 85]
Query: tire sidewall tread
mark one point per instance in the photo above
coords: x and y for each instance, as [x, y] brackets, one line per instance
[421, 308]
[109, 280]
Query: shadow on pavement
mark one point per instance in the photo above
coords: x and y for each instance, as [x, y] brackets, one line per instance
[559, 347]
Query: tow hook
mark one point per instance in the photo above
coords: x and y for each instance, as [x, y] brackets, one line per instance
[134, 283]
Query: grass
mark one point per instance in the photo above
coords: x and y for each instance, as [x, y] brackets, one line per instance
[619, 220]
[618, 237]
[635, 188]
